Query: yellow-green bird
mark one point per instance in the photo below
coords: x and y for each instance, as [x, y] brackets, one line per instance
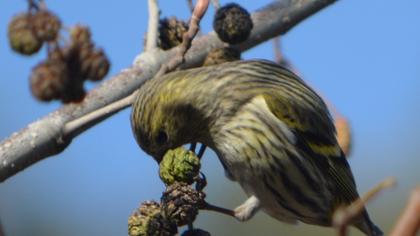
[272, 133]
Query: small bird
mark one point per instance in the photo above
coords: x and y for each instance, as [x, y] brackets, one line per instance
[272, 133]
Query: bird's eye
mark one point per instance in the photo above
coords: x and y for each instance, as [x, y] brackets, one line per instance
[162, 137]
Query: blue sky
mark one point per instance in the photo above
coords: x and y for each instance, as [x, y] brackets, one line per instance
[363, 56]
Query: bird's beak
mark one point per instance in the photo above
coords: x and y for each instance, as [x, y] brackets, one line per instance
[158, 157]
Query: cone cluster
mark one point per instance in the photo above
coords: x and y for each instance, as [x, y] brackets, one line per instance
[180, 202]
[62, 74]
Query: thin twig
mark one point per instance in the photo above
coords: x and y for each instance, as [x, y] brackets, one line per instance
[32, 5]
[409, 221]
[193, 146]
[196, 16]
[209, 207]
[76, 126]
[344, 138]
[280, 58]
[201, 151]
[190, 5]
[42, 5]
[153, 27]
[216, 4]
[277, 49]
[344, 216]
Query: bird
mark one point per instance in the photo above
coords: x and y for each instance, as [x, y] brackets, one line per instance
[271, 132]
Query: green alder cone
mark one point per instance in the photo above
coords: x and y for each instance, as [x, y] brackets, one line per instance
[179, 165]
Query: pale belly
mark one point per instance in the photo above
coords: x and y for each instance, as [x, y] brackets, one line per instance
[282, 189]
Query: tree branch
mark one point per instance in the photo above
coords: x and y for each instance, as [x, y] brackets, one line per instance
[409, 222]
[153, 27]
[216, 4]
[344, 216]
[197, 14]
[48, 136]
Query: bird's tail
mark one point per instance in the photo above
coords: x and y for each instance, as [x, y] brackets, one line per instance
[367, 226]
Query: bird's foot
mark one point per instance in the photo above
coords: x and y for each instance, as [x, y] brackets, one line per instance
[247, 209]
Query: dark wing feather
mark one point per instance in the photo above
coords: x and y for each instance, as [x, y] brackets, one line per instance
[316, 139]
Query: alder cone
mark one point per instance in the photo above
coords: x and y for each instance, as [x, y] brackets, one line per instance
[49, 80]
[46, 25]
[22, 38]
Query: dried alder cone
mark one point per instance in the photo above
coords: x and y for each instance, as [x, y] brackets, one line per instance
[46, 25]
[89, 62]
[232, 23]
[147, 220]
[171, 31]
[28, 31]
[180, 203]
[21, 36]
[70, 66]
[48, 79]
[62, 74]
[221, 55]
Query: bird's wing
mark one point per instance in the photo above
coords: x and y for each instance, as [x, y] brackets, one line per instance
[315, 139]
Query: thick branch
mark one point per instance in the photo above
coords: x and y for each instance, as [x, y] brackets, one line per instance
[45, 137]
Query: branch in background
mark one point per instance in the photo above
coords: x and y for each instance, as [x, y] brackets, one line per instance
[216, 4]
[342, 127]
[280, 58]
[343, 134]
[153, 27]
[190, 5]
[44, 137]
[78, 125]
[409, 222]
[343, 217]
[278, 55]
[196, 16]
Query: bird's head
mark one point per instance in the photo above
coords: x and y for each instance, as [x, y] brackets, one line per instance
[162, 122]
